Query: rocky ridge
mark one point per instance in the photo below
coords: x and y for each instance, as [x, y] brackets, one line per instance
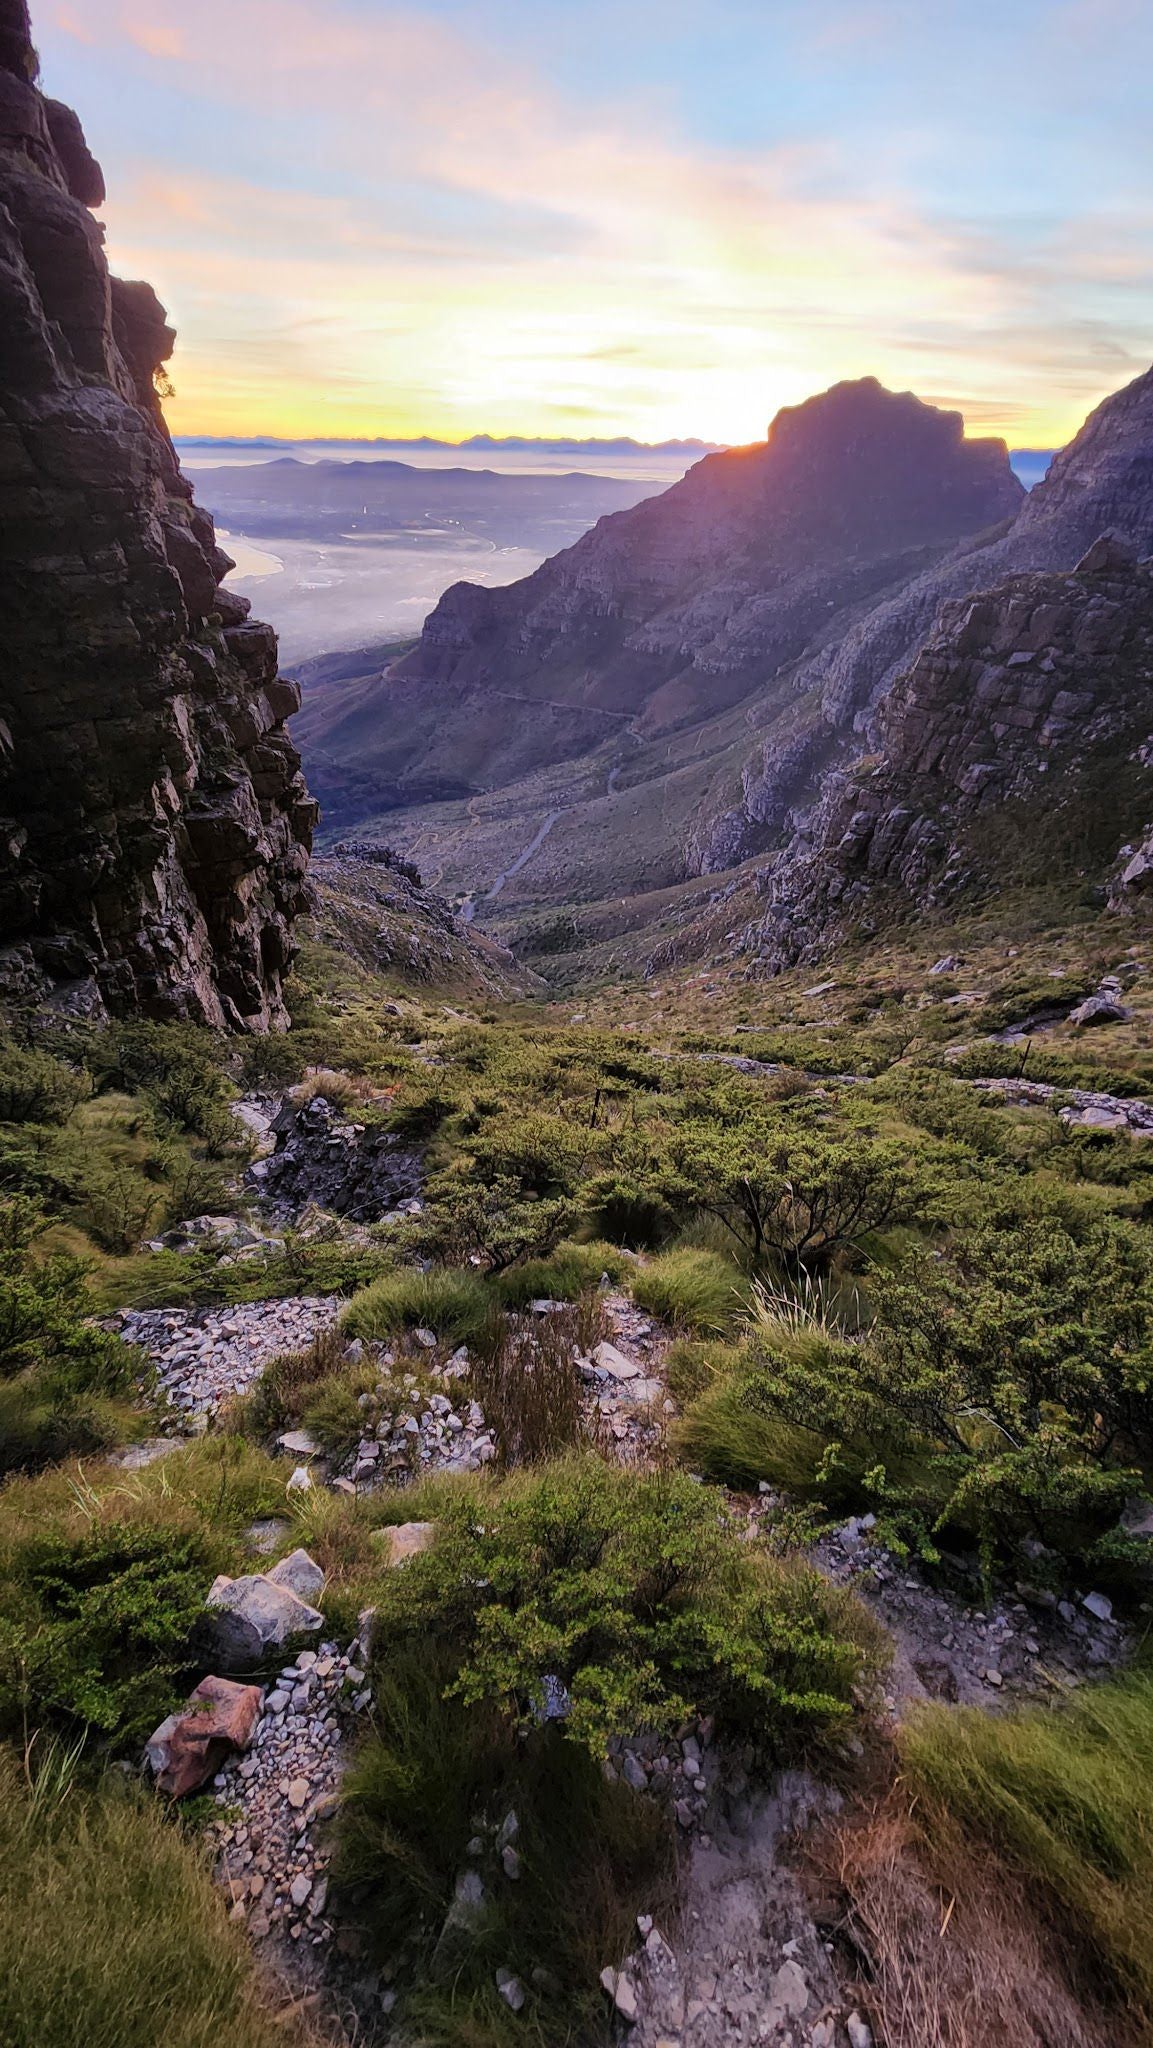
[1025, 700]
[694, 603]
[154, 822]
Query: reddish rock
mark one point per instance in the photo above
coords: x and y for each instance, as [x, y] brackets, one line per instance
[189, 1748]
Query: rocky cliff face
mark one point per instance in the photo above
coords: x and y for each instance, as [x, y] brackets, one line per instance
[1017, 745]
[154, 823]
[1103, 481]
[673, 612]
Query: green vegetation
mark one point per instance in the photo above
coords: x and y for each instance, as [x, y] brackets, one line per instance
[101, 1581]
[691, 1290]
[1001, 1390]
[634, 1593]
[114, 1934]
[1066, 1797]
[456, 1305]
[62, 1383]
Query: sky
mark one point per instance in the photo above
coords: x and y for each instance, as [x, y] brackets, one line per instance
[652, 217]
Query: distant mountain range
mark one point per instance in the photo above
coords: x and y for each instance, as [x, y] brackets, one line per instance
[1029, 464]
[497, 443]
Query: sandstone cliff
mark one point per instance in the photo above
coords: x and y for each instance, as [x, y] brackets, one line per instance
[154, 823]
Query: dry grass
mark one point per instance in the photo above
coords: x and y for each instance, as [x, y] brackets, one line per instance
[952, 1948]
[529, 1384]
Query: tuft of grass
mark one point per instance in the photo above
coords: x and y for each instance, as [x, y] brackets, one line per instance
[114, 1934]
[693, 1365]
[455, 1304]
[697, 1291]
[1066, 1797]
[279, 1396]
[568, 1272]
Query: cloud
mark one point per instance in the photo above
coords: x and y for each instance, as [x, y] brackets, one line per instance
[425, 220]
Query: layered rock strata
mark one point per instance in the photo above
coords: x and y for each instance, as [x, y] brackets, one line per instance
[693, 601]
[154, 823]
[1017, 745]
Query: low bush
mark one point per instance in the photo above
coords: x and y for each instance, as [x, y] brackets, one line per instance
[101, 1583]
[633, 1589]
[37, 1089]
[60, 1378]
[1001, 1392]
[98, 1639]
[114, 1934]
[692, 1290]
[630, 1596]
[456, 1305]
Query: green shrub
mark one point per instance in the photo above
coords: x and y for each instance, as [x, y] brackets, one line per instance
[102, 1576]
[633, 1589]
[58, 1374]
[99, 1640]
[692, 1290]
[456, 1305]
[36, 1089]
[1003, 1391]
[114, 1934]
[1067, 1796]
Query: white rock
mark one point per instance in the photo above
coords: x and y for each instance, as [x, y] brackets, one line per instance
[275, 1612]
[300, 1573]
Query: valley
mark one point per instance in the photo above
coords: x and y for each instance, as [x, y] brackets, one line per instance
[576, 1195]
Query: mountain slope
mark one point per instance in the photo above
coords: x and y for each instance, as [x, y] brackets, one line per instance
[1013, 749]
[670, 615]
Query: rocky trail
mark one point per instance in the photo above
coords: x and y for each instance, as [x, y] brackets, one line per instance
[745, 1961]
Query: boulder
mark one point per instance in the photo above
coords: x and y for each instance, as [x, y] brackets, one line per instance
[609, 1360]
[188, 1748]
[253, 1614]
[299, 1443]
[406, 1539]
[300, 1573]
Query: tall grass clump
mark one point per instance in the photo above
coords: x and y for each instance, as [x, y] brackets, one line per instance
[567, 1272]
[697, 1291]
[114, 1934]
[528, 1382]
[454, 1304]
[1065, 1796]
